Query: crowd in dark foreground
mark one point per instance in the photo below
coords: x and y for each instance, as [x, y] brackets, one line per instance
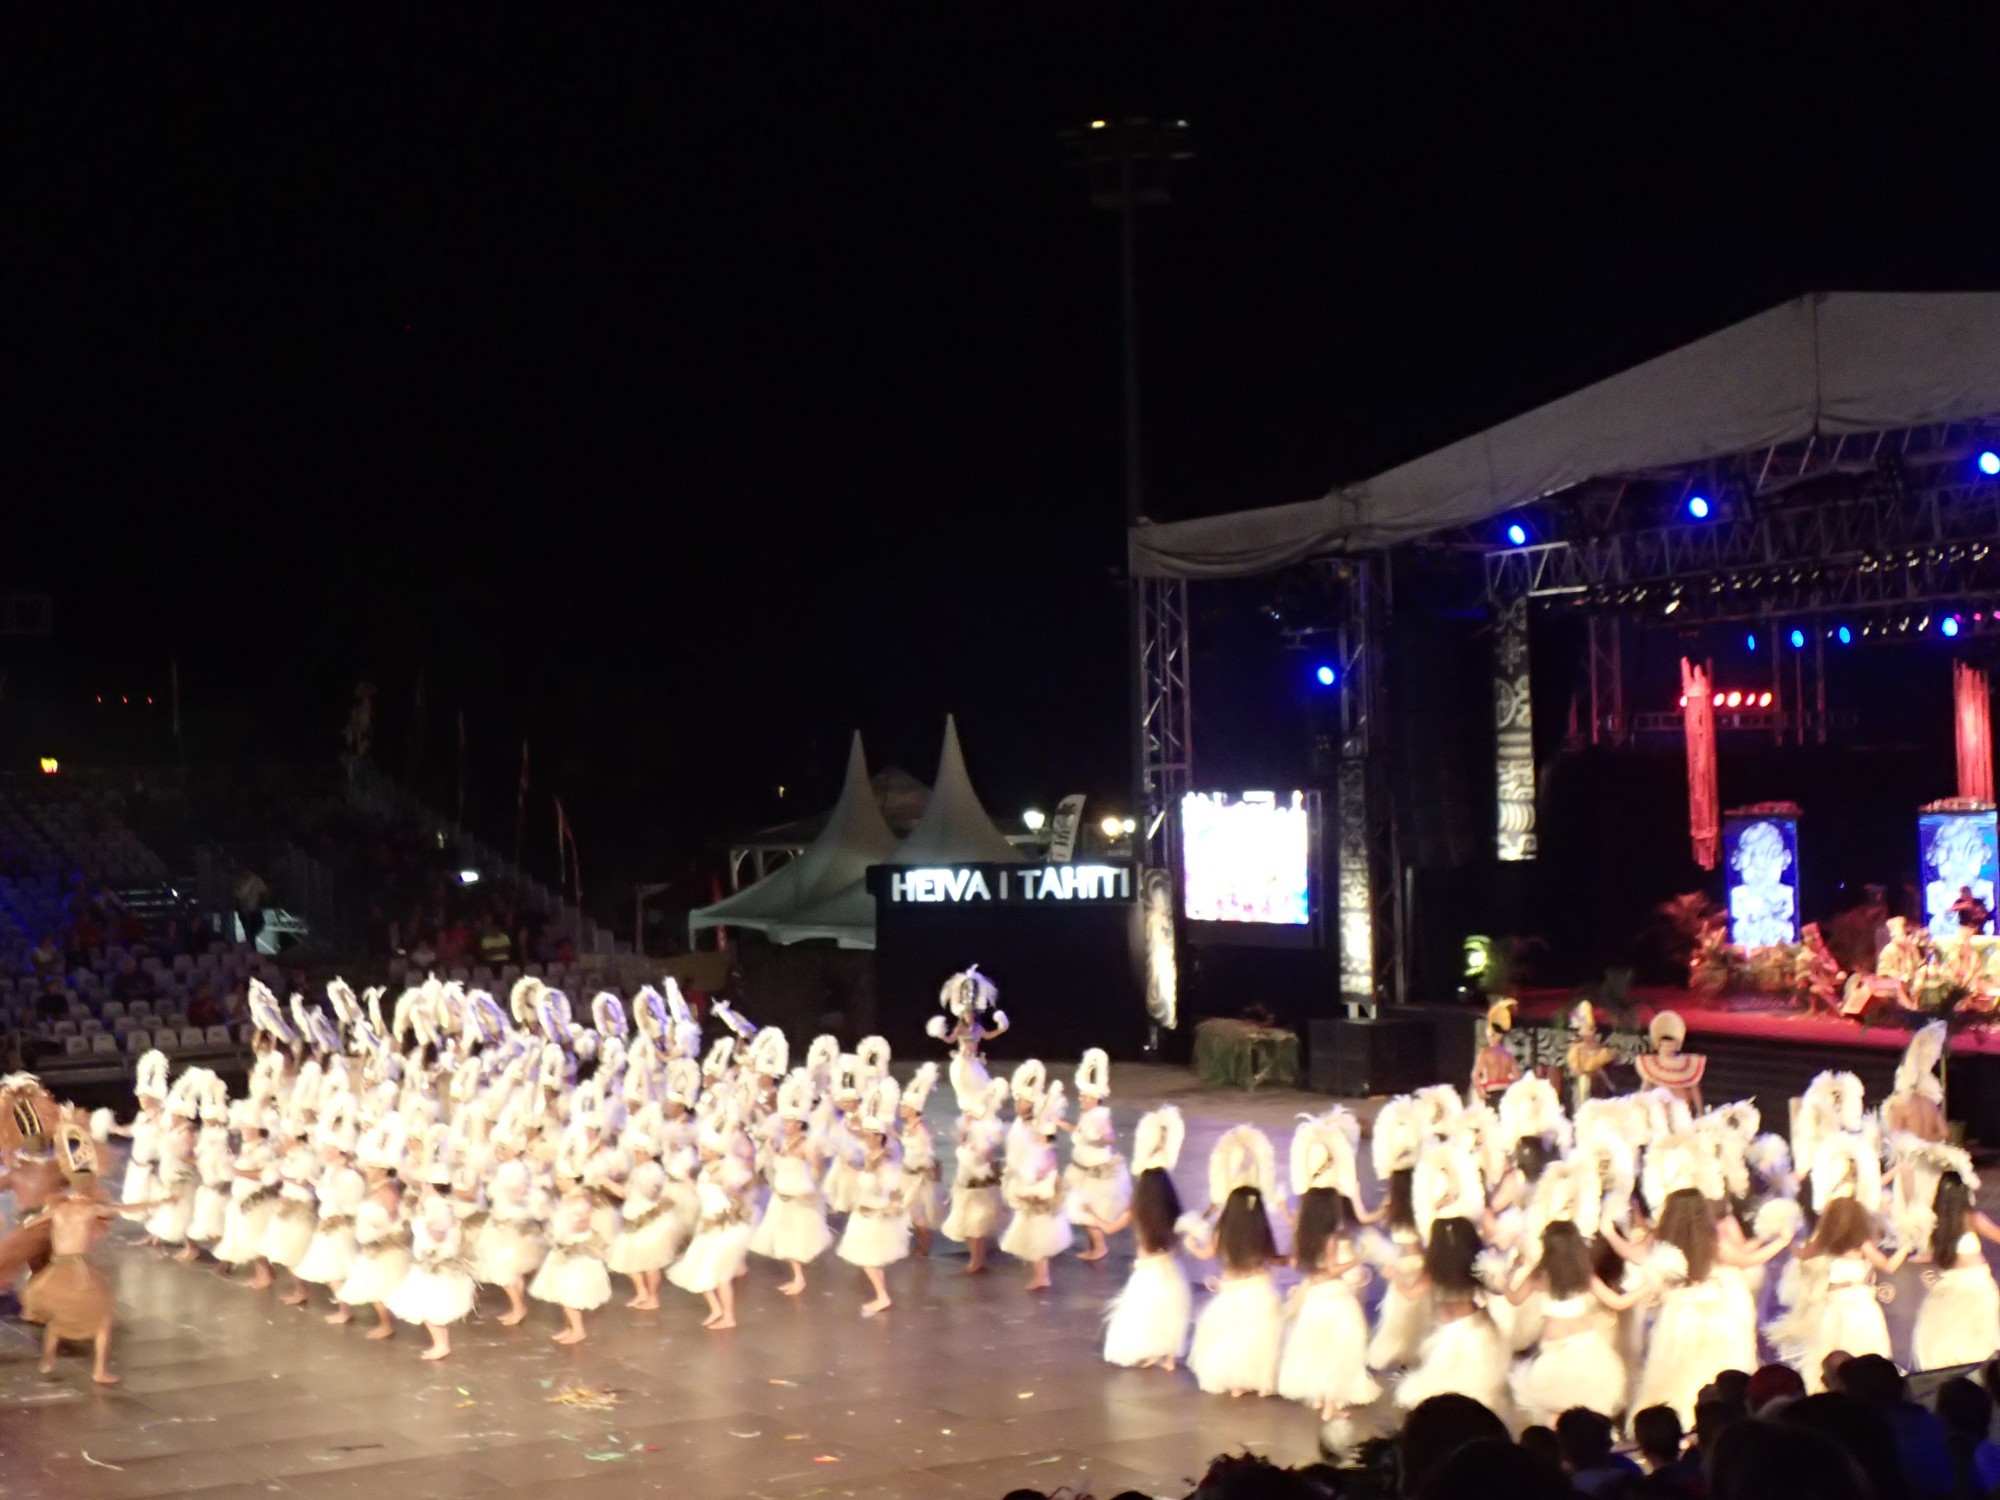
[1756, 1437]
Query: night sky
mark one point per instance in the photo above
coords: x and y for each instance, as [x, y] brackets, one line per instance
[683, 388]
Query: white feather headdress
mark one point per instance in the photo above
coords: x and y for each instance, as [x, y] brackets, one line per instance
[873, 1052]
[967, 993]
[918, 1092]
[1093, 1074]
[878, 1109]
[1675, 1162]
[1437, 1106]
[795, 1096]
[1243, 1157]
[1323, 1152]
[151, 1080]
[607, 1013]
[1846, 1165]
[1530, 1106]
[1398, 1137]
[1156, 1141]
[1917, 1072]
[721, 1053]
[770, 1054]
[683, 1081]
[1446, 1185]
[820, 1055]
[1030, 1081]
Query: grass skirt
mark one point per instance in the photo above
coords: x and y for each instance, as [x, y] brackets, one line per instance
[1465, 1356]
[1959, 1322]
[70, 1296]
[1237, 1337]
[377, 1271]
[1149, 1319]
[1579, 1369]
[1326, 1348]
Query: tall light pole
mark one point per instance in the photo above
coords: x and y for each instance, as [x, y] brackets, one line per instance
[1126, 163]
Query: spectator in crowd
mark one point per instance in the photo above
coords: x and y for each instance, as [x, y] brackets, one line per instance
[203, 1008]
[1967, 1413]
[1773, 1383]
[496, 949]
[251, 895]
[1757, 1460]
[1712, 1418]
[1437, 1428]
[423, 957]
[46, 957]
[1541, 1441]
[1865, 1434]
[1657, 1433]
[1494, 1469]
[1587, 1457]
[53, 1003]
[131, 982]
[1922, 1453]
[131, 928]
[454, 944]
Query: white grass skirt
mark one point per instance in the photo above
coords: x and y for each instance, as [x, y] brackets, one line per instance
[1036, 1235]
[1400, 1324]
[649, 1242]
[329, 1257]
[975, 1214]
[875, 1240]
[1149, 1319]
[509, 1250]
[211, 1213]
[434, 1294]
[1098, 1202]
[572, 1278]
[1465, 1356]
[1959, 1322]
[377, 1271]
[289, 1234]
[243, 1230]
[713, 1257]
[1326, 1349]
[1579, 1369]
[791, 1230]
[1237, 1337]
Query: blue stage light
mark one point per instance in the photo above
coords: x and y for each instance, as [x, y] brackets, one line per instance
[1989, 463]
[1846, 636]
[1325, 676]
[1517, 534]
[1798, 640]
[1750, 641]
[1950, 625]
[1698, 507]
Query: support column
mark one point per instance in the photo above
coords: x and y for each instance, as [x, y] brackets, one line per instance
[1166, 747]
[1368, 905]
[1513, 731]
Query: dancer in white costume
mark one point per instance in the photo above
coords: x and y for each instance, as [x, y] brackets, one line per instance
[1402, 1318]
[645, 1244]
[215, 1166]
[721, 1244]
[1325, 1358]
[289, 1234]
[1842, 1311]
[439, 1290]
[1147, 1323]
[381, 1244]
[1033, 1188]
[150, 1085]
[1239, 1333]
[970, 999]
[514, 1243]
[793, 1228]
[920, 1163]
[878, 1230]
[341, 1188]
[974, 1217]
[176, 1179]
[1463, 1352]
[1959, 1321]
[1100, 1184]
[572, 1275]
[837, 1143]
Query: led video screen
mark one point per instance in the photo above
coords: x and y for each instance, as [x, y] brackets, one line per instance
[1760, 855]
[1247, 858]
[1957, 851]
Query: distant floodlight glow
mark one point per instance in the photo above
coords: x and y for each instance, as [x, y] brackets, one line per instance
[1989, 463]
[1763, 700]
[1846, 636]
[1750, 641]
[468, 877]
[1324, 676]
[1517, 534]
[1798, 640]
[1033, 819]
[1698, 507]
[1718, 700]
[1111, 826]
[1950, 625]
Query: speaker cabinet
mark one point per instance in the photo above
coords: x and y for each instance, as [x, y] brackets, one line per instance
[1389, 1055]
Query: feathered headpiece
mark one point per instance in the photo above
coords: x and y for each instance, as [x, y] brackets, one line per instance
[1531, 1107]
[968, 993]
[1156, 1142]
[795, 1096]
[820, 1055]
[917, 1093]
[523, 998]
[878, 1109]
[1681, 1161]
[1476, 1133]
[1322, 1154]
[1917, 1072]
[151, 1075]
[1666, 1025]
[649, 1015]
[1438, 1106]
[874, 1054]
[268, 1014]
[1398, 1137]
[1831, 1104]
[484, 1018]
[1568, 1191]
[721, 1053]
[1846, 1165]
[1925, 1164]
[1093, 1074]
[677, 1005]
[683, 1082]
[1446, 1185]
[727, 1015]
[1030, 1081]
[1050, 1109]
[1243, 1157]
[849, 1078]
[607, 1013]
[770, 1055]
[341, 997]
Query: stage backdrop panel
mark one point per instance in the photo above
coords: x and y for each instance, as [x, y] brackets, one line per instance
[1067, 966]
[1956, 850]
[1760, 860]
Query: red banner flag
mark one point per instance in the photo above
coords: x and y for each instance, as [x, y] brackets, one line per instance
[1704, 796]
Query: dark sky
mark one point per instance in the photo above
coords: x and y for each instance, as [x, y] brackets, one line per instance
[683, 387]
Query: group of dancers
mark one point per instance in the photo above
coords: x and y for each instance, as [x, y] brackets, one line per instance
[1610, 1256]
[1538, 1259]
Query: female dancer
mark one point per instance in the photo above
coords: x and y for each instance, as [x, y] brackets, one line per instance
[1847, 1314]
[381, 1248]
[878, 1230]
[971, 999]
[572, 1275]
[920, 1163]
[150, 1085]
[215, 1165]
[721, 1244]
[330, 1256]
[1033, 1188]
[1148, 1321]
[793, 1228]
[253, 1194]
[1463, 1352]
[438, 1291]
[646, 1243]
[1100, 1185]
[289, 1234]
[512, 1246]
[1324, 1364]
[1575, 1363]
[1959, 1322]
[1237, 1337]
[975, 1189]
[1402, 1318]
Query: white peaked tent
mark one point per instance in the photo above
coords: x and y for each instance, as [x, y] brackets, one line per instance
[1829, 363]
[821, 893]
[954, 829]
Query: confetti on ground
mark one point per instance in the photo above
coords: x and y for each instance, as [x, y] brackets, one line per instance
[585, 1397]
[100, 1464]
[1025, 1396]
[607, 1458]
[1053, 1458]
[779, 1380]
[734, 1433]
[461, 1405]
[795, 1437]
[825, 1458]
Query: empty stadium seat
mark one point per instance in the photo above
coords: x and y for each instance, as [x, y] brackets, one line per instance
[138, 1040]
[191, 1036]
[75, 1046]
[63, 1028]
[167, 1041]
[217, 1036]
[104, 1045]
[114, 1010]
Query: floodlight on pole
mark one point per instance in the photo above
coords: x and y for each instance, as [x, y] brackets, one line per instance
[1033, 819]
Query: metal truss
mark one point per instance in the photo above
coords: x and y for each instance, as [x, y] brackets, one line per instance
[1165, 715]
[1605, 648]
[1881, 545]
[1368, 888]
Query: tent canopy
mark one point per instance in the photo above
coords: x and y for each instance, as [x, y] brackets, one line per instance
[954, 829]
[855, 836]
[1828, 363]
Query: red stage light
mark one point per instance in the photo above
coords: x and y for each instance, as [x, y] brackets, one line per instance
[1735, 700]
[1764, 701]
[1718, 700]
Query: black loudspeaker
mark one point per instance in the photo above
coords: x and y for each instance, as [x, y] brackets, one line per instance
[1353, 1059]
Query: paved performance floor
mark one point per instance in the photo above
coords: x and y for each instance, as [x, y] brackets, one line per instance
[967, 1386]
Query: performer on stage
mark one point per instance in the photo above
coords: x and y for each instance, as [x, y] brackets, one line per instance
[1148, 1321]
[1587, 1057]
[971, 1000]
[1494, 1068]
[71, 1297]
[793, 1228]
[1237, 1338]
[1033, 1188]
[1100, 1185]
[1667, 1066]
[974, 1216]
[878, 1230]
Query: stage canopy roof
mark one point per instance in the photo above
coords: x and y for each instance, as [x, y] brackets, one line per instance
[954, 829]
[1827, 363]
